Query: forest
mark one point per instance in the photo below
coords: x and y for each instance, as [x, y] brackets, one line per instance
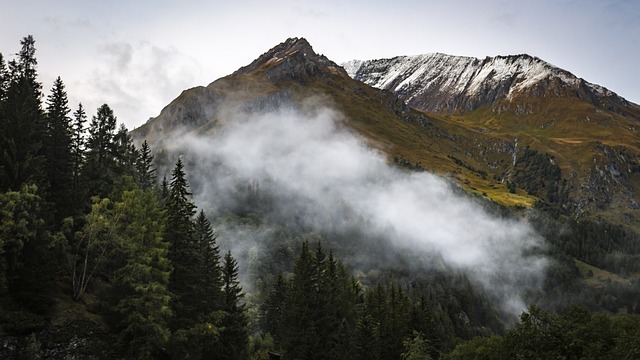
[102, 258]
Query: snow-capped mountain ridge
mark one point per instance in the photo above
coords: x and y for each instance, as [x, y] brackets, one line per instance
[440, 82]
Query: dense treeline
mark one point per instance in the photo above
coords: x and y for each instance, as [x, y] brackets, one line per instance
[84, 219]
[320, 312]
[577, 334]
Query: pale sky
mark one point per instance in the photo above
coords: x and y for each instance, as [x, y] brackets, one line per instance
[137, 56]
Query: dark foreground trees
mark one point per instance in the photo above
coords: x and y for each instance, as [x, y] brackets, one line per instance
[84, 225]
[576, 334]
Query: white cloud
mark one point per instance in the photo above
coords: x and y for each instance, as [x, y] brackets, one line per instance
[138, 79]
[328, 178]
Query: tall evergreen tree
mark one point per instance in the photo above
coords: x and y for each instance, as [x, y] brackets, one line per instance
[22, 124]
[144, 167]
[124, 153]
[78, 148]
[234, 337]
[273, 310]
[210, 272]
[57, 151]
[143, 280]
[164, 190]
[183, 252]
[300, 336]
[99, 171]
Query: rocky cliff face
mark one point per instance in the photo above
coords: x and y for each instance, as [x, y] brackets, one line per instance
[261, 86]
[444, 83]
[293, 59]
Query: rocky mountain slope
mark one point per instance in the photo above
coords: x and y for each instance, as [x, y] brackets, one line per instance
[445, 83]
[588, 131]
[514, 129]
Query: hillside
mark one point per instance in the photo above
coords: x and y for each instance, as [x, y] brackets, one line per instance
[530, 144]
[588, 131]
[292, 72]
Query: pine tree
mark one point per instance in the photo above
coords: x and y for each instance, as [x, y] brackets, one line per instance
[273, 310]
[164, 190]
[99, 172]
[183, 251]
[144, 167]
[22, 124]
[300, 334]
[57, 152]
[234, 337]
[210, 272]
[144, 278]
[78, 148]
[124, 153]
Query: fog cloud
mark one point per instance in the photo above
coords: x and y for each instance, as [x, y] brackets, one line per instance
[324, 175]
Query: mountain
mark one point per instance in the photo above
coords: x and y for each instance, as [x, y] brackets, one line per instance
[514, 129]
[444, 83]
[590, 132]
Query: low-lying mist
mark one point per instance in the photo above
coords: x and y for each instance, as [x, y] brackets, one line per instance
[324, 178]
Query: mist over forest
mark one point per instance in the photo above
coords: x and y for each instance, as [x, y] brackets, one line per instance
[279, 214]
[309, 174]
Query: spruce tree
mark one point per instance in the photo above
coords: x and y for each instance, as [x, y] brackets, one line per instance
[273, 310]
[234, 337]
[300, 335]
[183, 252]
[99, 172]
[124, 153]
[22, 124]
[57, 152]
[143, 280]
[210, 272]
[78, 148]
[144, 167]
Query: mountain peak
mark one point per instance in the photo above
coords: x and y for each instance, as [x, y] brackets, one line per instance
[445, 83]
[292, 59]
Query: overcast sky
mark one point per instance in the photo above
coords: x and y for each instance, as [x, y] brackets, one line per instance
[139, 55]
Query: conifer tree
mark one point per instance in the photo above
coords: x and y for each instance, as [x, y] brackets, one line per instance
[183, 252]
[273, 311]
[124, 153]
[78, 156]
[234, 337]
[144, 167]
[22, 124]
[210, 272]
[57, 152]
[300, 335]
[99, 172]
[144, 278]
[164, 191]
